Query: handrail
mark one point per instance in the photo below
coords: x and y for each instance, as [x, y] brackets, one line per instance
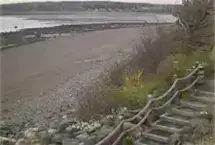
[176, 93]
[175, 83]
[106, 139]
[167, 103]
[191, 85]
[146, 111]
[141, 111]
[133, 128]
[166, 93]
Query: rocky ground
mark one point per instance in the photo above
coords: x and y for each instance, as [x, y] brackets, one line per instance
[41, 81]
[69, 131]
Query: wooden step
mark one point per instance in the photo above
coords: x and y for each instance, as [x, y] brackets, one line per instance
[205, 99]
[147, 141]
[185, 112]
[194, 105]
[155, 137]
[138, 142]
[205, 93]
[167, 128]
[175, 119]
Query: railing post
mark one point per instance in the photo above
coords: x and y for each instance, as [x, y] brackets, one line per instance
[149, 97]
[151, 116]
[177, 99]
[201, 75]
[201, 72]
[122, 138]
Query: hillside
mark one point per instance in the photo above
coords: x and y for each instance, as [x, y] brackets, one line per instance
[85, 6]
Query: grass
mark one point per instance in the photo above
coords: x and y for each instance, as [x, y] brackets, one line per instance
[206, 140]
[135, 86]
[151, 71]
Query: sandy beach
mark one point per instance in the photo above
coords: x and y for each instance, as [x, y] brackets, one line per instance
[42, 78]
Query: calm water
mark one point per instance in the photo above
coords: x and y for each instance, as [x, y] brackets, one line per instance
[8, 23]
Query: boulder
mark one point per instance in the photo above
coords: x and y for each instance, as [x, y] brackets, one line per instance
[108, 120]
[86, 139]
[69, 141]
[93, 127]
[44, 138]
[7, 141]
[21, 141]
[31, 133]
[52, 131]
[64, 124]
[103, 132]
[57, 139]
[71, 129]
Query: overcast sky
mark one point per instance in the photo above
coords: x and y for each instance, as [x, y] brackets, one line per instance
[149, 1]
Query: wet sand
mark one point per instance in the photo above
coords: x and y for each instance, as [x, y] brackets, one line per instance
[31, 74]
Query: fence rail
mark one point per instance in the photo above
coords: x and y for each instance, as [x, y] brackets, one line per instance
[155, 106]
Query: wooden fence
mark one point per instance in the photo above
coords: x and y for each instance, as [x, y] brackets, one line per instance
[156, 106]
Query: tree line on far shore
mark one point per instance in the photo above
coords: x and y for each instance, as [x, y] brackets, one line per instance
[87, 6]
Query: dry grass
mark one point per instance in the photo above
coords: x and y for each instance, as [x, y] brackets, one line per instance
[206, 140]
[151, 71]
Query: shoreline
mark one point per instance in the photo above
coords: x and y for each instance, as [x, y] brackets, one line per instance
[33, 35]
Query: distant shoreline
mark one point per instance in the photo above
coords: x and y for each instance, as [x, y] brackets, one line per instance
[71, 12]
[26, 36]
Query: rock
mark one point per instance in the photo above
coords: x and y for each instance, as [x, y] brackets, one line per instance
[78, 132]
[71, 129]
[30, 133]
[21, 142]
[51, 131]
[64, 117]
[137, 133]
[7, 141]
[64, 124]
[108, 120]
[127, 125]
[86, 139]
[93, 127]
[69, 141]
[105, 130]
[44, 138]
[57, 139]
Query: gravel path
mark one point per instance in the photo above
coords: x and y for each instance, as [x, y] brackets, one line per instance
[41, 80]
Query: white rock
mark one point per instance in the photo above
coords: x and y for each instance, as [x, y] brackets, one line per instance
[52, 131]
[64, 117]
[21, 142]
[30, 133]
[35, 129]
[5, 140]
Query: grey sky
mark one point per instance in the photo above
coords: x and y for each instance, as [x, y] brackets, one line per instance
[149, 1]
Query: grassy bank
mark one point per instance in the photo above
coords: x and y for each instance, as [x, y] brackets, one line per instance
[157, 63]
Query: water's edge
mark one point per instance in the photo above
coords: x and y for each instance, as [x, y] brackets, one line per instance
[32, 35]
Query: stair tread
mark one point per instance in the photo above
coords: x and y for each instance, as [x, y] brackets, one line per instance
[203, 92]
[193, 104]
[205, 99]
[176, 118]
[155, 137]
[166, 128]
[168, 124]
[147, 141]
[184, 111]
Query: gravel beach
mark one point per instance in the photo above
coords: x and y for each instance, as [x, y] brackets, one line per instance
[41, 80]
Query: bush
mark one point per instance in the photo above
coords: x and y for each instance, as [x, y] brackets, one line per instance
[150, 71]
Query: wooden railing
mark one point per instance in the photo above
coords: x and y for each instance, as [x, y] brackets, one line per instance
[155, 106]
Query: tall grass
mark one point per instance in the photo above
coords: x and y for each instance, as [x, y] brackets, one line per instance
[151, 71]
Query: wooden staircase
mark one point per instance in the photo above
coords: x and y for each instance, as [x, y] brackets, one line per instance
[168, 119]
[177, 120]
